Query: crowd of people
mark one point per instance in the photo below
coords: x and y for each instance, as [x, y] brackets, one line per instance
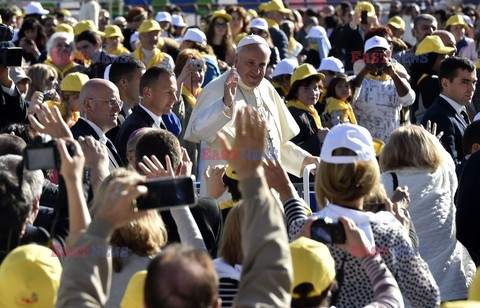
[380, 98]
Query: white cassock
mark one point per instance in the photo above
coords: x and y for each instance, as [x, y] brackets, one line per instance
[210, 116]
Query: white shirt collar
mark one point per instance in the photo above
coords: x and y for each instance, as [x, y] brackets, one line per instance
[100, 133]
[156, 119]
[458, 108]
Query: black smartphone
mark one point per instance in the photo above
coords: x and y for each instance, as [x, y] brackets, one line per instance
[42, 153]
[166, 193]
[364, 18]
[327, 232]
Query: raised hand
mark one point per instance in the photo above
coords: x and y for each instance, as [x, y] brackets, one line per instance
[49, 123]
[250, 136]
[153, 168]
[118, 205]
[230, 88]
[214, 182]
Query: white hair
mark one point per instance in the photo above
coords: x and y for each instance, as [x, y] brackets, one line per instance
[67, 36]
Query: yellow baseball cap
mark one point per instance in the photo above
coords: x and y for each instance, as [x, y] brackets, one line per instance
[252, 13]
[456, 20]
[223, 14]
[85, 25]
[149, 25]
[133, 296]
[74, 82]
[65, 12]
[365, 6]
[313, 264]
[275, 5]
[397, 22]
[231, 173]
[65, 28]
[433, 43]
[304, 71]
[112, 31]
[30, 277]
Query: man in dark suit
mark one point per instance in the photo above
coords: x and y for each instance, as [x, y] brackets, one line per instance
[101, 105]
[12, 106]
[457, 79]
[158, 88]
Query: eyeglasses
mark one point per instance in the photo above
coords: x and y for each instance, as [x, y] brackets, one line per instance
[111, 102]
[220, 24]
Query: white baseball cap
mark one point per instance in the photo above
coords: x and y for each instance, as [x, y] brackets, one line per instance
[350, 136]
[195, 35]
[163, 16]
[376, 41]
[35, 8]
[317, 32]
[259, 23]
[331, 64]
[252, 39]
[177, 21]
[285, 67]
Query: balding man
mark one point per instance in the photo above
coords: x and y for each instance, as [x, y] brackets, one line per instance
[217, 105]
[101, 104]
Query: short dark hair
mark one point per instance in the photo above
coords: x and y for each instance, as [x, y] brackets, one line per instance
[124, 68]
[151, 77]
[471, 136]
[450, 66]
[159, 142]
[11, 144]
[88, 36]
[22, 130]
[181, 278]
[17, 198]
[292, 93]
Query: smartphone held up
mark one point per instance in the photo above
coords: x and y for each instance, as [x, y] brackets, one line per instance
[326, 231]
[167, 193]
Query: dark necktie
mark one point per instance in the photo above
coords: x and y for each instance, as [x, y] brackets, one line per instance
[113, 151]
[465, 116]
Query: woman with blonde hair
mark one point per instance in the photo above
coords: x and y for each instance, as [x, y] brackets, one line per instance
[229, 262]
[347, 174]
[44, 79]
[415, 158]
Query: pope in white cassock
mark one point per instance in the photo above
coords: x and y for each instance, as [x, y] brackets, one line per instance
[244, 85]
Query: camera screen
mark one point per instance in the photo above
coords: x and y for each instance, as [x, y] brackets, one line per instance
[321, 234]
[167, 193]
[43, 158]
